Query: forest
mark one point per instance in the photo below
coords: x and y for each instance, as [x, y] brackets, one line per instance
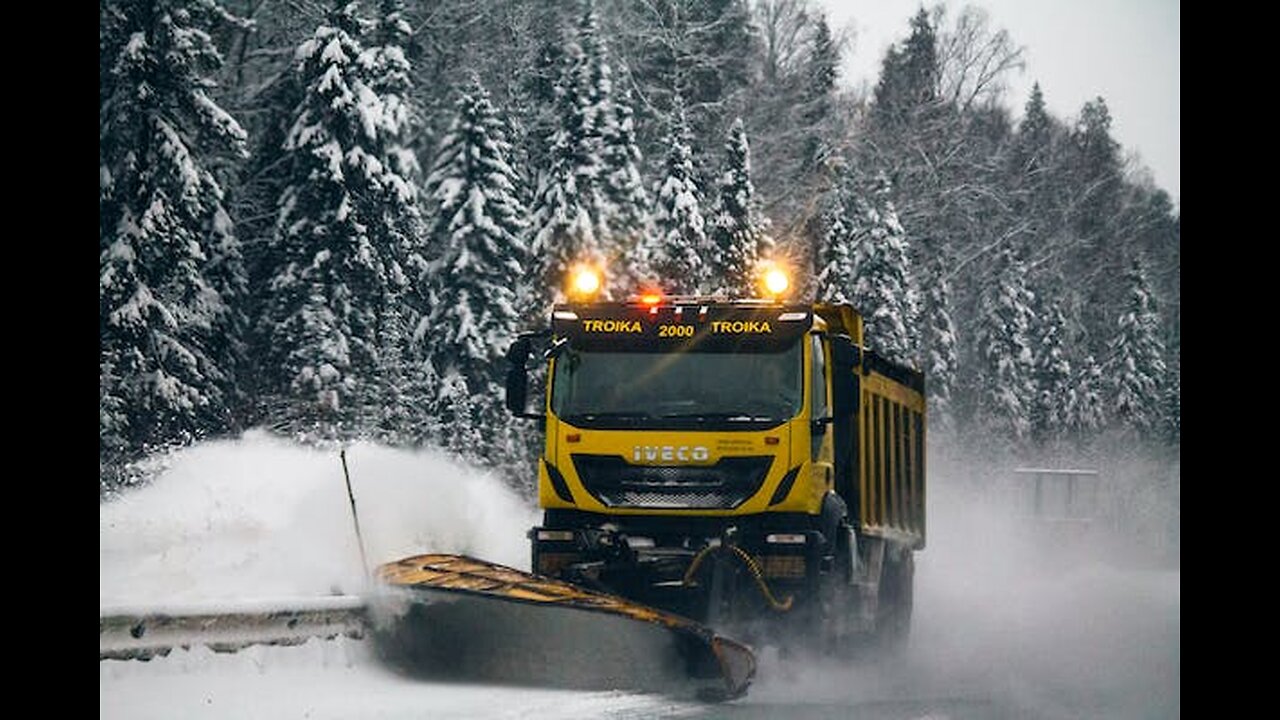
[330, 219]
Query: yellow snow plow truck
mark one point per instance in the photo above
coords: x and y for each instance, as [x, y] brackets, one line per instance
[748, 464]
[712, 469]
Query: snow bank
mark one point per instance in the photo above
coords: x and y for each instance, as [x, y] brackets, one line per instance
[266, 517]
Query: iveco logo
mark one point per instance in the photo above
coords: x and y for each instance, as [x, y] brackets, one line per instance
[680, 453]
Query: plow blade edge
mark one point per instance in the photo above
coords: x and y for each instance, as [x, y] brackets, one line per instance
[456, 617]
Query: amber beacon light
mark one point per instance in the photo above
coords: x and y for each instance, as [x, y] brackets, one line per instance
[775, 281]
[584, 282]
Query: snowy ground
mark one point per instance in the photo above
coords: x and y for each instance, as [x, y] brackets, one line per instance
[1002, 629]
[335, 680]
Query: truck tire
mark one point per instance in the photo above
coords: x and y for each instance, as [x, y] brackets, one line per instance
[897, 595]
[838, 597]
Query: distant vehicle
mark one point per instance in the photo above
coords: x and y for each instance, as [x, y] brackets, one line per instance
[1061, 508]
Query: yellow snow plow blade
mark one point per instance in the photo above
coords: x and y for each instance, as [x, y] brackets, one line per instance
[458, 617]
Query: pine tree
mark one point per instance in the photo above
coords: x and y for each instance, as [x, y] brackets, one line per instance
[716, 62]
[1005, 369]
[629, 222]
[570, 209]
[392, 403]
[1087, 415]
[1096, 173]
[1054, 389]
[1173, 404]
[390, 74]
[1098, 167]
[909, 76]
[837, 271]
[1034, 183]
[940, 357]
[818, 99]
[739, 235]
[460, 426]
[540, 82]
[675, 252]
[868, 265]
[478, 229]
[1031, 144]
[170, 271]
[1173, 390]
[345, 222]
[1136, 366]
[390, 415]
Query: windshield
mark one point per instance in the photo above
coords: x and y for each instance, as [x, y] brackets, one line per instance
[629, 389]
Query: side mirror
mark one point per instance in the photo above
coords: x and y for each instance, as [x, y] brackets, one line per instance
[818, 426]
[518, 377]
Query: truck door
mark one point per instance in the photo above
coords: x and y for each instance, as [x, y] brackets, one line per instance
[820, 413]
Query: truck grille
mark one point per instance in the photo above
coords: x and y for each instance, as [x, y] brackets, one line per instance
[617, 483]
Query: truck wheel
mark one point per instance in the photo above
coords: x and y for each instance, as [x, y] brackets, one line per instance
[837, 597]
[897, 595]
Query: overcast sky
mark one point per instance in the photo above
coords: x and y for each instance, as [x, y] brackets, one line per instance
[1127, 51]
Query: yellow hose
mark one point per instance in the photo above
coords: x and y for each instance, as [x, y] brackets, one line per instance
[750, 562]
[697, 561]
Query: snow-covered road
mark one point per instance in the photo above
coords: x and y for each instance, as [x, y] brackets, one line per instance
[336, 680]
[999, 631]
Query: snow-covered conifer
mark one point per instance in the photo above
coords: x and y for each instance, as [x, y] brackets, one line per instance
[629, 222]
[939, 346]
[1173, 404]
[477, 230]
[739, 234]
[461, 428]
[1055, 392]
[676, 252]
[818, 95]
[170, 269]
[345, 221]
[1136, 367]
[570, 206]
[1005, 364]
[1031, 144]
[396, 400]
[835, 269]
[868, 265]
[390, 76]
[1087, 415]
[909, 77]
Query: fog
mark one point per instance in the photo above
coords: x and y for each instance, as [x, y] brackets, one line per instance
[1018, 615]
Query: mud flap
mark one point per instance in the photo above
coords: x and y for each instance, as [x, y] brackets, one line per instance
[458, 618]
